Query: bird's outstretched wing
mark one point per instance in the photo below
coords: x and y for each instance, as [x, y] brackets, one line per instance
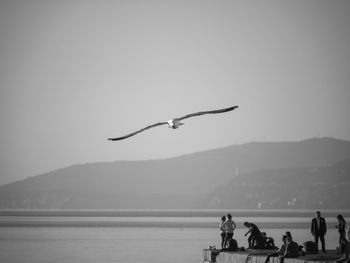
[207, 112]
[136, 132]
[177, 119]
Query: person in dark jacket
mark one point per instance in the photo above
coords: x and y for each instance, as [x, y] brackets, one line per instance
[269, 241]
[292, 250]
[259, 242]
[319, 230]
[280, 252]
[289, 234]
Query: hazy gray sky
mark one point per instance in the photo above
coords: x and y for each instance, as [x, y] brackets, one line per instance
[73, 73]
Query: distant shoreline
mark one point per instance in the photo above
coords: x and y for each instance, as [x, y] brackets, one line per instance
[159, 218]
[167, 213]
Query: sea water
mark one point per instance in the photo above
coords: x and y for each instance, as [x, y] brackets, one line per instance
[120, 243]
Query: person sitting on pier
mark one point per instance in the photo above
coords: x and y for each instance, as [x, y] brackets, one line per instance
[259, 241]
[289, 234]
[280, 252]
[269, 241]
[292, 250]
[254, 233]
[232, 245]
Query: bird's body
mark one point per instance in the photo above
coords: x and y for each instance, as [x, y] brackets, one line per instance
[174, 123]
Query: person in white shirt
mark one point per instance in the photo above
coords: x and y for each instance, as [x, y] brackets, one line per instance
[222, 231]
[230, 227]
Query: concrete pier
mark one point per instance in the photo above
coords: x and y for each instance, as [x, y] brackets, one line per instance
[259, 256]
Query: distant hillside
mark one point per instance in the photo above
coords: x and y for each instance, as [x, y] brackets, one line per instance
[293, 188]
[181, 182]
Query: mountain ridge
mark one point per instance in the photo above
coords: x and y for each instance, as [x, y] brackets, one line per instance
[184, 181]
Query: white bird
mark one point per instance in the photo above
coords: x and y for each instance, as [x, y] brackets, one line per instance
[174, 123]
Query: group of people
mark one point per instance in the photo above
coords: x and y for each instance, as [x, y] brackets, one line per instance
[256, 239]
[227, 228]
[319, 230]
[289, 248]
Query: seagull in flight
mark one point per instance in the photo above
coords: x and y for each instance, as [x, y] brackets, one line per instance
[174, 123]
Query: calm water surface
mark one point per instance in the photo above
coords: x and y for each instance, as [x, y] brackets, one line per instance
[122, 244]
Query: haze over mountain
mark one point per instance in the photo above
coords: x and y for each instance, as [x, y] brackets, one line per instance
[238, 176]
[292, 188]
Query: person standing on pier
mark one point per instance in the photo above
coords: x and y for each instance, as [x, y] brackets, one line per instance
[319, 230]
[344, 251]
[223, 231]
[341, 228]
[230, 227]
